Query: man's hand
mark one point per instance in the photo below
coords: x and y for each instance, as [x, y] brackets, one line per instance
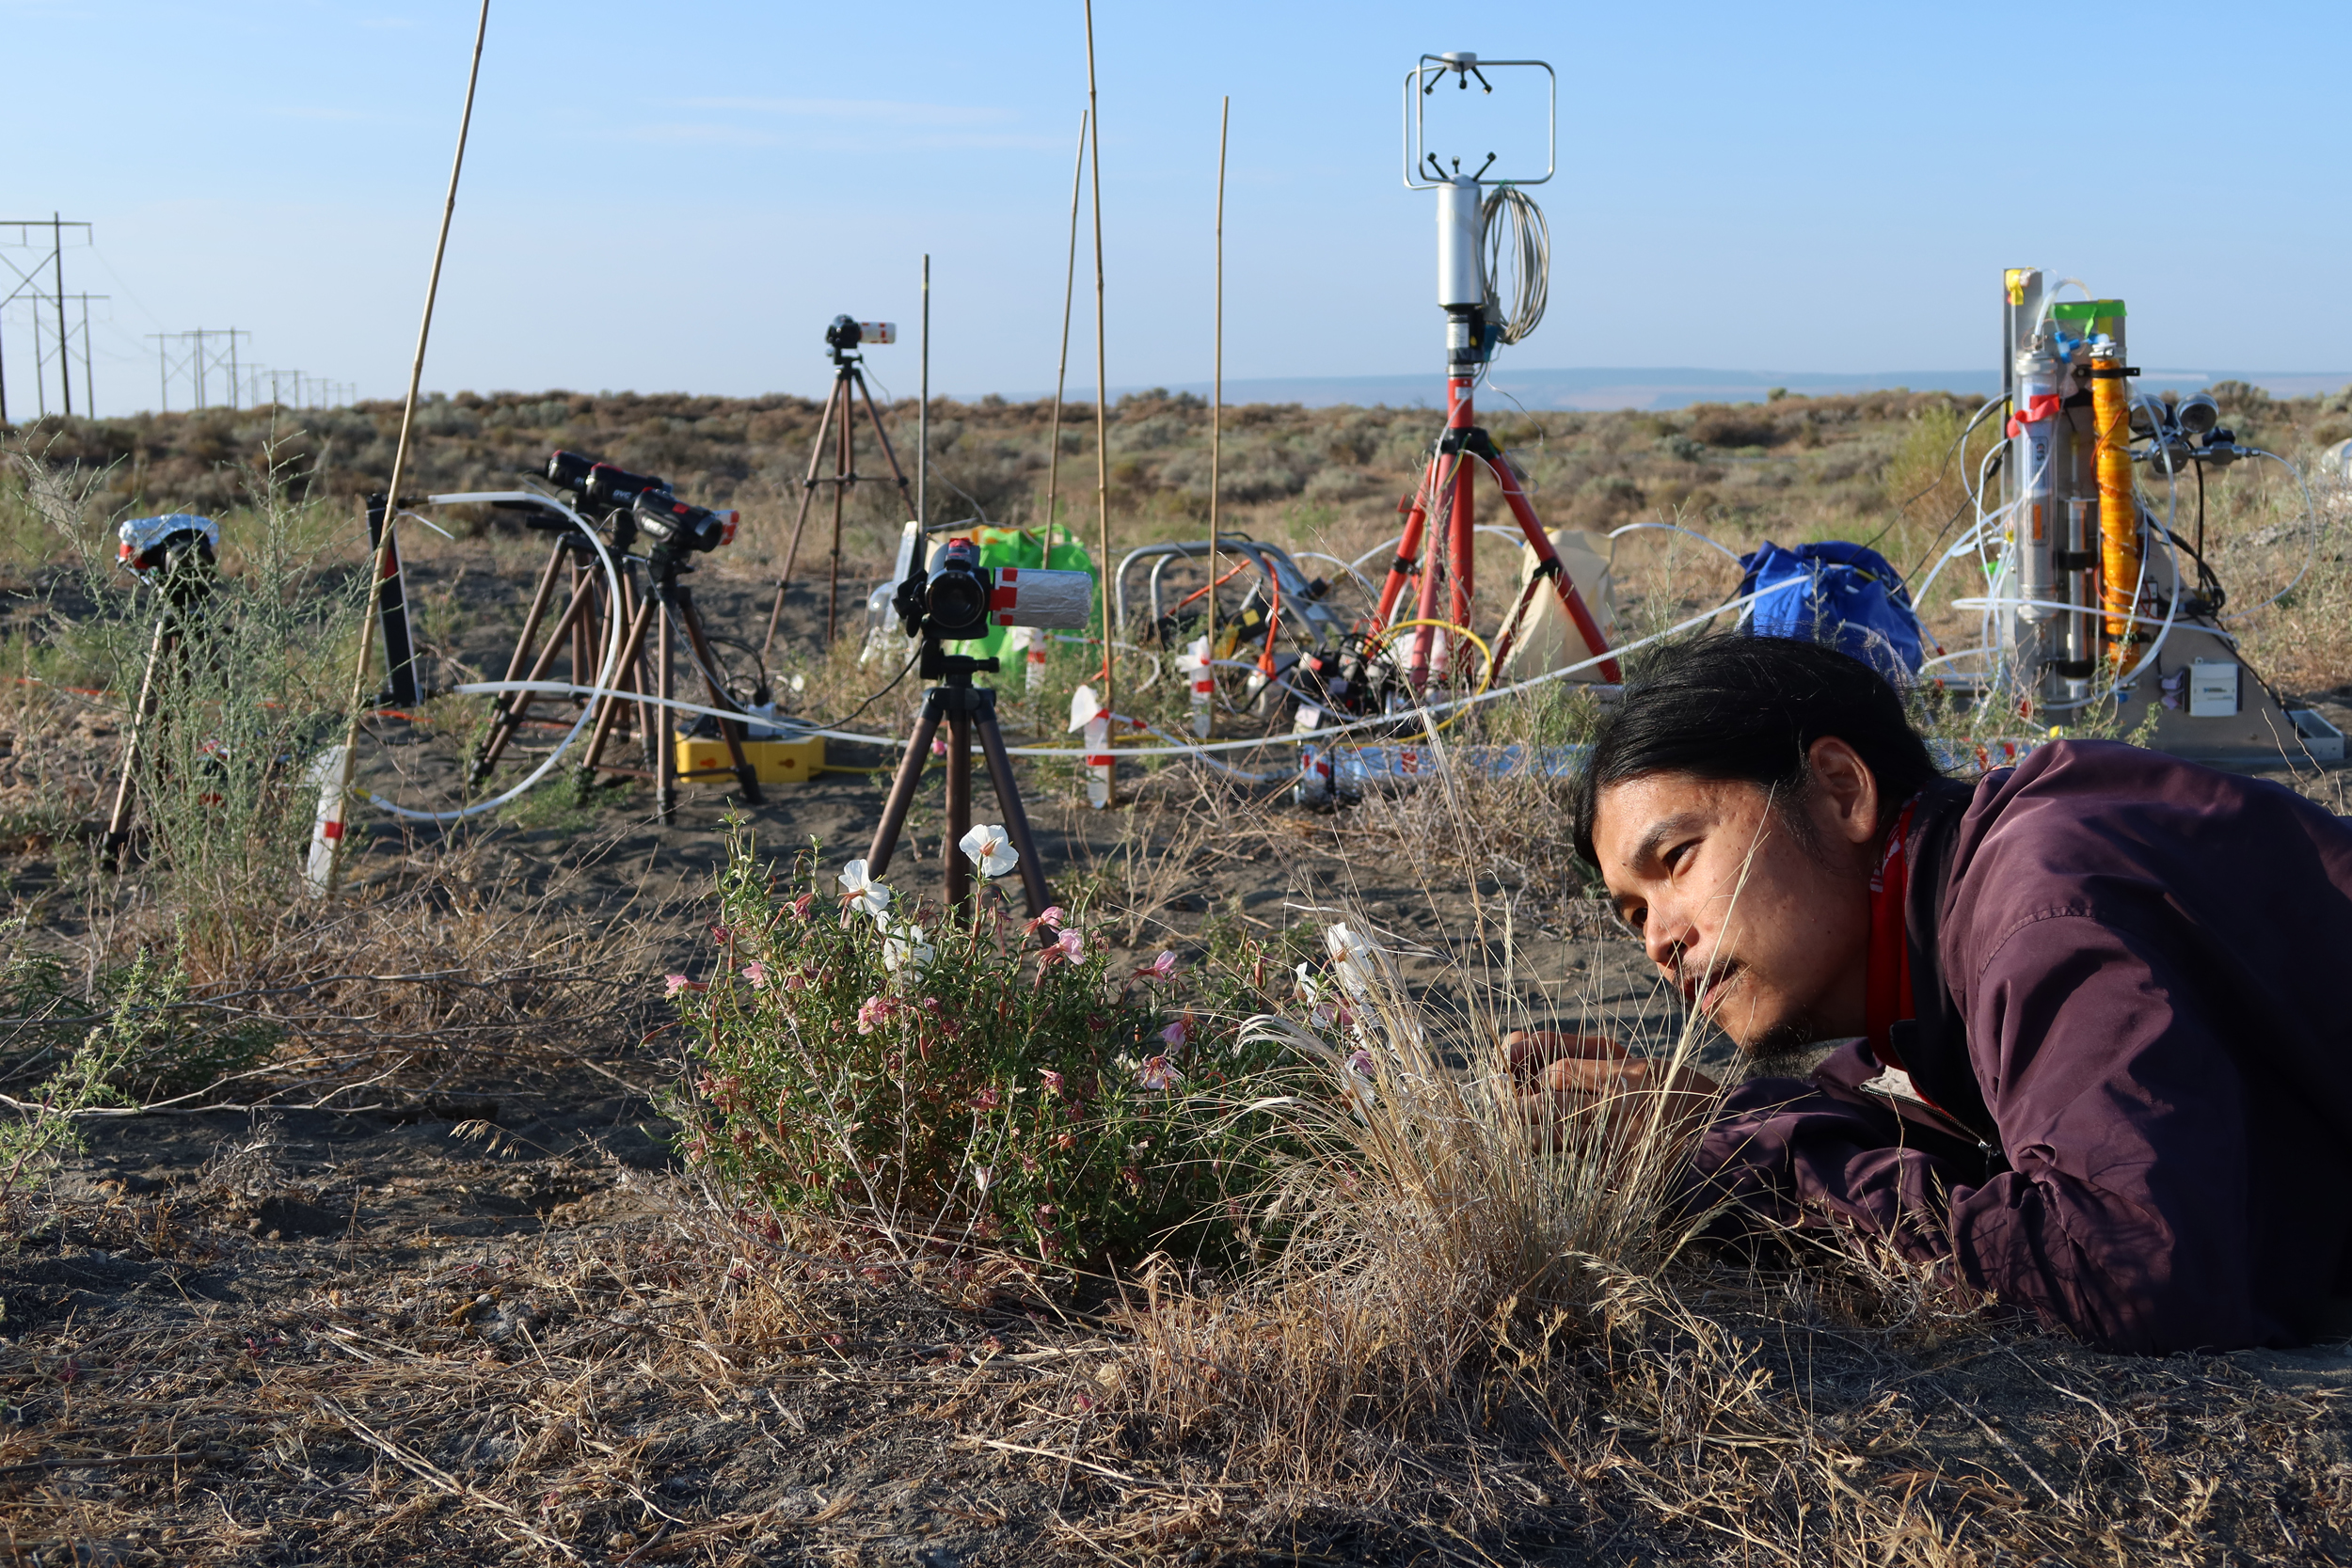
[1562, 1079]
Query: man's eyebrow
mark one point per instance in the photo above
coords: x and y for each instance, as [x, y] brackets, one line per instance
[1659, 833]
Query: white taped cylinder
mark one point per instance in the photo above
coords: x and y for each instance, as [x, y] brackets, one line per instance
[1098, 744]
[1032, 597]
[326, 831]
[1196, 662]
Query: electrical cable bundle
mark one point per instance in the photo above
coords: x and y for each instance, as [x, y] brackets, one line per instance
[1513, 228]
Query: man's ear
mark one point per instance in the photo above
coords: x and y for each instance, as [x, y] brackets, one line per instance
[1845, 794]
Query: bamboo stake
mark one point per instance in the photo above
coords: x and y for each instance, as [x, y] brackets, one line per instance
[1216, 387]
[1068, 295]
[400, 460]
[923, 411]
[1104, 566]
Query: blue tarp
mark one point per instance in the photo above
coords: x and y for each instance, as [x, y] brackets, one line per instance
[1851, 599]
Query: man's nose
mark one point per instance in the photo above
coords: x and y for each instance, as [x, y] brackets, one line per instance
[1666, 934]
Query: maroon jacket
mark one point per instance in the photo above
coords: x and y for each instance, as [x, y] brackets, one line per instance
[2131, 974]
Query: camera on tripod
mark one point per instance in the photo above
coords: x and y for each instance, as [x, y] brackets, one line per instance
[173, 553]
[843, 335]
[681, 528]
[955, 598]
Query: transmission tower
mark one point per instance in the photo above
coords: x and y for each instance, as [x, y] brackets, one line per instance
[206, 352]
[29, 286]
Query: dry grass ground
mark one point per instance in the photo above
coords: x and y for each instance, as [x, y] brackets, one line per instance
[447, 1295]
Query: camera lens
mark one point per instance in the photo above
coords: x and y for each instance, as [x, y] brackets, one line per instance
[957, 601]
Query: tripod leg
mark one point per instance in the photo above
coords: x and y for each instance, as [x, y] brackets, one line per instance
[1547, 559]
[665, 767]
[1401, 569]
[844, 475]
[510, 720]
[894, 817]
[884, 436]
[731, 731]
[1432, 564]
[1032, 868]
[540, 598]
[119, 821]
[957, 867]
[808, 494]
[628, 677]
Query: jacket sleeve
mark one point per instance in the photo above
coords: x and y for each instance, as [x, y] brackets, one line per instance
[2125, 1214]
[1799, 1154]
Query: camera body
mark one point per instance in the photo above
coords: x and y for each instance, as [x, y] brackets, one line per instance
[954, 598]
[640, 503]
[681, 527]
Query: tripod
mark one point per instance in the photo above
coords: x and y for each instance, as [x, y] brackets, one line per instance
[838, 422]
[966, 709]
[187, 583]
[1444, 551]
[665, 606]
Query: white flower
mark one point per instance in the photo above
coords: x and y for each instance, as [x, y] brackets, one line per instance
[867, 896]
[1352, 960]
[904, 948]
[1308, 988]
[988, 848]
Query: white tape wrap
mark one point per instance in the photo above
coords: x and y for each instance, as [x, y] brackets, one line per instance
[1030, 596]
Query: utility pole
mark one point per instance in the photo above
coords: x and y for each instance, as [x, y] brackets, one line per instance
[65, 360]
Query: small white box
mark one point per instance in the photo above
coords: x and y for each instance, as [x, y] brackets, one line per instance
[2213, 688]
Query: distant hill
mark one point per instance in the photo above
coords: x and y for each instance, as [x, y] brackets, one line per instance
[1652, 388]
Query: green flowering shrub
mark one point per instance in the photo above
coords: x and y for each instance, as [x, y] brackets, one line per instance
[943, 1081]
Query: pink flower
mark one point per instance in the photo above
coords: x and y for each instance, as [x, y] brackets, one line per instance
[1157, 1074]
[1053, 1081]
[1362, 1062]
[1051, 920]
[721, 935]
[987, 1099]
[873, 1012]
[1072, 944]
[800, 905]
[757, 975]
[1177, 1034]
[673, 984]
[1161, 968]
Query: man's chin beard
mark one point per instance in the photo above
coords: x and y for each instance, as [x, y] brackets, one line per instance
[1790, 1049]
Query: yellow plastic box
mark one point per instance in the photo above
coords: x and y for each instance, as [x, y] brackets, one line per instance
[774, 762]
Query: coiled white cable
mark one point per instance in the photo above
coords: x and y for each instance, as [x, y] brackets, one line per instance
[1514, 231]
[604, 674]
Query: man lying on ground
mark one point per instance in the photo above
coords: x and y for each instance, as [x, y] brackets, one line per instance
[2097, 1052]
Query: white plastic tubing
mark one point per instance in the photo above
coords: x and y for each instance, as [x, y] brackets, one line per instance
[604, 674]
[1317, 737]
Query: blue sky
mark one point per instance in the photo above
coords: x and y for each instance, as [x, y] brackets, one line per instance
[678, 198]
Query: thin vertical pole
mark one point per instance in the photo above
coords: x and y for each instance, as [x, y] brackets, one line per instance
[1216, 387]
[923, 409]
[1069, 294]
[400, 460]
[232, 372]
[89, 395]
[65, 341]
[1105, 567]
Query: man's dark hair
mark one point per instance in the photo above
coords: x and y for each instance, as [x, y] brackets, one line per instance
[1750, 708]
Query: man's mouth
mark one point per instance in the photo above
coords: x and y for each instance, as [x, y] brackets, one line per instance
[1704, 989]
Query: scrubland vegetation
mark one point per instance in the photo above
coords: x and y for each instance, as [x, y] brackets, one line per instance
[575, 1189]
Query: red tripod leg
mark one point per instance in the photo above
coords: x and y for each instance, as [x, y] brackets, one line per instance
[1548, 561]
[1440, 486]
[1416, 510]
